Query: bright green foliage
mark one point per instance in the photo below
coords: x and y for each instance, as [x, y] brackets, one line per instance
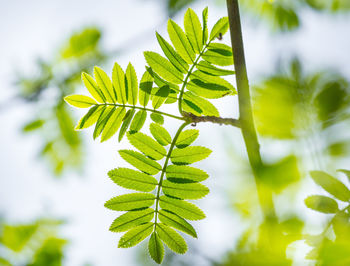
[321, 204]
[184, 75]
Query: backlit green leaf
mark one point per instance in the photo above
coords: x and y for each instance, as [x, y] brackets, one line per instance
[158, 118]
[322, 204]
[177, 222]
[172, 55]
[105, 84]
[193, 30]
[331, 185]
[160, 95]
[186, 138]
[92, 87]
[147, 145]
[156, 248]
[184, 191]
[140, 161]
[180, 42]
[171, 238]
[131, 219]
[189, 155]
[118, 78]
[220, 27]
[130, 201]
[102, 120]
[132, 84]
[139, 121]
[163, 67]
[127, 120]
[146, 84]
[347, 172]
[135, 235]
[208, 68]
[219, 54]
[182, 208]
[90, 117]
[113, 124]
[205, 107]
[160, 134]
[205, 25]
[80, 101]
[185, 172]
[132, 179]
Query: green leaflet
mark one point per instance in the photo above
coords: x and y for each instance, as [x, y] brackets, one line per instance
[113, 124]
[139, 121]
[198, 105]
[156, 248]
[105, 84]
[189, 155]
[163, 67]
[180, 42]
[132, 84]
[147, 145]
[130, 201]
[184, 191]
[131, 219]
[146, 84]
[160, 134]
[171, 238]
[140, 161]
[209, 69]
[332, 185]
[177, 222]
[219, 54]
[185, 172]
[102, 120]
[90, 117]
[118, 78]
[127, 120]
[193, 30]
[80, 101]
[34, 125]
[220, 27]
[135, 235]
[132, 179]
[160, 95]
[182, 208]
[346, 172]
[186, 138]
[205, 25]
[322, 204]
[172, 55]
[160, 82]
[92, 87]
[159, 119]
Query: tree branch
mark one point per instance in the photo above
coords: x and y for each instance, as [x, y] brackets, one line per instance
[213, 119]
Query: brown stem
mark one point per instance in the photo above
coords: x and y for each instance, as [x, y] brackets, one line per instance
[213, 119]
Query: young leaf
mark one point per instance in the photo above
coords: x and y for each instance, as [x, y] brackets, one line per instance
[139, 121]
[132, 179]
[163, 67]
[147, 145]
[185, 172]
[160, 134]
[161, 82]
[209, 69]
[135, 235]
[219, 54]
[92, 87]
[140, 161]
[127, 120]
[205, 25]
[332, 185]
[220, 27]
[193, 30]
[156, 248]
[80, 101]
[132, 87]
[118, 78]
[113, 124]
[172, 55]
[205, 107]
[160, 96]
[105, 84]
[90, 117]
[35, 124]
[146, 84]
[182, 208]
[131, 219]
[322, 204]
[180, 42]
[177, 222]
[102, 120]
[130, 201]
[189, 155]
[184, 191]
[171, 238]
[159, 119]
[186, 138]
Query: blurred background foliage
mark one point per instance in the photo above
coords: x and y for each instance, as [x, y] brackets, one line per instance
[305, 112]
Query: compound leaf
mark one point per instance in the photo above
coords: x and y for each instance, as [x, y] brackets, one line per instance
[147, 145]
[140, 161]
[130, 202]
[131, 219]
[135, 235]
[171, 238]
